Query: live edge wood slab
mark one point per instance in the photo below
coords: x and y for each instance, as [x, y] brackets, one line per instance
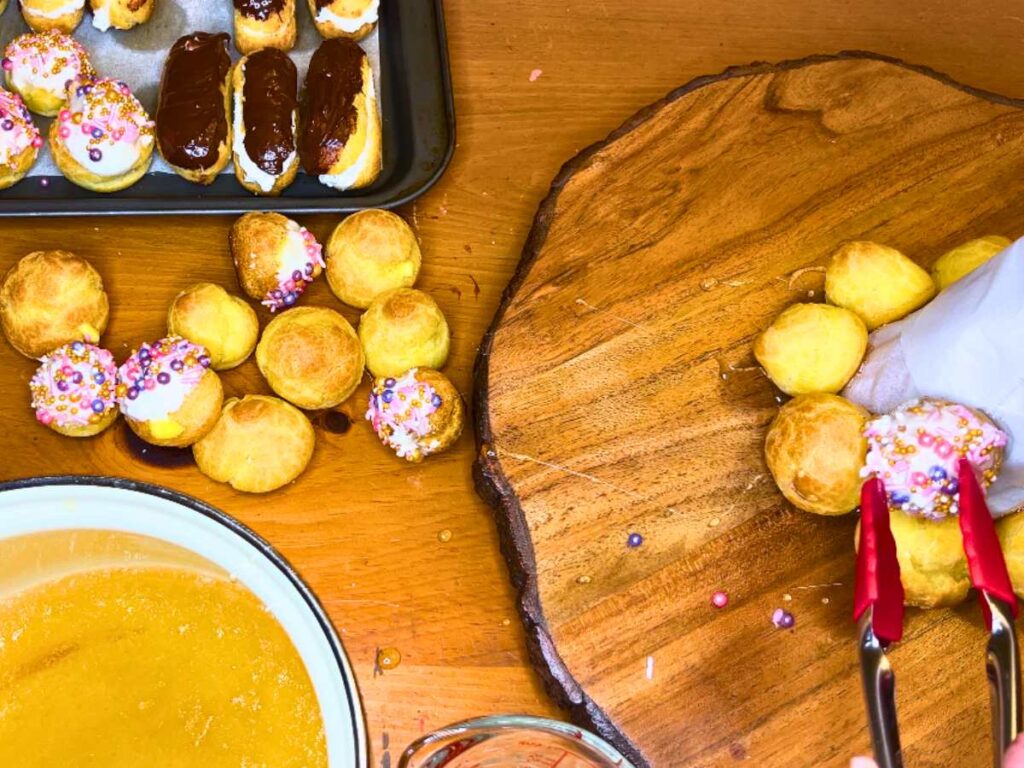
[616, 394]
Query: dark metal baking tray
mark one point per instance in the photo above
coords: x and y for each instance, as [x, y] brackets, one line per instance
[417, 125]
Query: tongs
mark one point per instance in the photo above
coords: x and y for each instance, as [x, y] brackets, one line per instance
[878, 607]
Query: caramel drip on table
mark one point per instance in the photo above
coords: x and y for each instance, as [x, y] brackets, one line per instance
[270, 98]
[191, 121]
[261, 10]
[329, 113]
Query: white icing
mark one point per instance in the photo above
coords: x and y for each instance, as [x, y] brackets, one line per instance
[118, 156]
[294, 255]
[72, 6]
[347, 178]
[251, 172]
[101, 15]
[348, 23]
[159, 403]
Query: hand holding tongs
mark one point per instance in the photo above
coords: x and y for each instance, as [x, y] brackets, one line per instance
[878, 606]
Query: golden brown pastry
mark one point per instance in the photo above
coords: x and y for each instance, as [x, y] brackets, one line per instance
[812, 348]
[168, 393]
[103, 141]
[263, 24]
[44, 15]
[815, 450]
[275, 258]
[74, 390]
[933, 567]
[964, 259]
[353, 19]
[225, 325]
[121, 14]
[369, 253]
[39, 65]
[877, 282]
[340, 139]
[404, 329]
[311, 357]
[20, 140]
[416, 414]
[259, 444]
[1011, 539]
[265, 86]
[51, 298]
[193, 119]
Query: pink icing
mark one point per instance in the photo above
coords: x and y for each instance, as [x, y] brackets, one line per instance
[74, 385]
[17, 131]
[400, 411]
[915, 450]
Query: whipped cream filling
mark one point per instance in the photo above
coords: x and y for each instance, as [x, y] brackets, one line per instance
[72, 6]
[251, 172]
[105, 129]
[349, 24]
[101, 16]
[347, 178]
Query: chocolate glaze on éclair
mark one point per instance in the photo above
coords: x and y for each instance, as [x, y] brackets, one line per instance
[191, 120]
[261, 10]
[329, 113]
[270, 95]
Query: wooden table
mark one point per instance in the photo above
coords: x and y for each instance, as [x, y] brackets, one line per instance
[535, 82]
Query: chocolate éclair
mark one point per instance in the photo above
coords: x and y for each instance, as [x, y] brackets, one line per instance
[265, 86]
[192, 123]
[340, 139]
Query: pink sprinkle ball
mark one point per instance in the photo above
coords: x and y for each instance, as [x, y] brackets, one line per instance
[65, 115]
[44, 182]
[8, 65]
[37, 142]
[720, 599]
[783, 619]
[65, 132]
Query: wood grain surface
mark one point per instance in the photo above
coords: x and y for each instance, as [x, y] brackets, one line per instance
[617, 397]
[362, 527]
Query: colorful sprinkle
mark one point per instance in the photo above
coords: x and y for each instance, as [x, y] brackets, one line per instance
[720, 599]
[400, 411]
[634, 540]
[914, 451]
[69, 375]
[162, 374]
[300, 265]
[783, 619]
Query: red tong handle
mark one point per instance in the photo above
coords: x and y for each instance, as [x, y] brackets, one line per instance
[981, 544]
[878, 571]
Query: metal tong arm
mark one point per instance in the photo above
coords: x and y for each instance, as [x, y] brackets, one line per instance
[880, 695]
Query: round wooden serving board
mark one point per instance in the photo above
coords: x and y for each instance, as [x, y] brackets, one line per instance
[616, 394]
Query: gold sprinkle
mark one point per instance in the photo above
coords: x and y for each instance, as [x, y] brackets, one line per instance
[388, 658]
[444, 536]
[583, 579]
[714, 522]
[787, 598]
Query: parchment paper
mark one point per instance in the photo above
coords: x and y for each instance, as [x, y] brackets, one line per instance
[967, 345]
[137, 55]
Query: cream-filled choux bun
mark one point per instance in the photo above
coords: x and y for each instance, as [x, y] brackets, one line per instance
[43, 15]
[915, 450]
[876, 282]
[354, 19]
[103, 140]
[121, 14]
[404, 329]
[259, 444]
[275, 258]
[168, 393]
[369, 253]
[311, 357]
[815, 451]
[340, 133]
[39, 65]
[965, 258]
[224, 325]
[263, 24]
[51, 298]
[1011, 540]
[416, 414]
[74, 390]
[20, 140]
[933, 567]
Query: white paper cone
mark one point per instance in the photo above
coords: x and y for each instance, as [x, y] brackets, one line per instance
[966, 346]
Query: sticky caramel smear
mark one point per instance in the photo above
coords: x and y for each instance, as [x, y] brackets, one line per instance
[103, 667]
